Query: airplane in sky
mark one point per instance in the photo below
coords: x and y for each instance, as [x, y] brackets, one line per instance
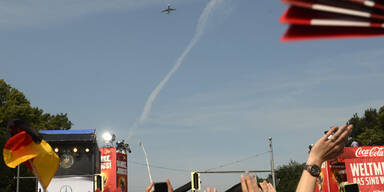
[168, 10]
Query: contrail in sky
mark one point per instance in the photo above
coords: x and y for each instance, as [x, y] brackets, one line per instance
[197, 36]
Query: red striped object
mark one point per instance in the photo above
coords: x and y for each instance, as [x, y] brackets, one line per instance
[368, 3]
[301, 16]
[307, 32]
[340, 8]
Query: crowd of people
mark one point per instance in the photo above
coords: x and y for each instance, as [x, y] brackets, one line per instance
[328, 147]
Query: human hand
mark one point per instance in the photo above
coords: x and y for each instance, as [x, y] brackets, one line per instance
[249, 184]
[170, 189]
[150, 188]
[267, 187]
[327, 149]
[209, 190]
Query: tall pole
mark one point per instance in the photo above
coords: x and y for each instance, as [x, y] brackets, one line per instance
[272, 163]
[18, 178]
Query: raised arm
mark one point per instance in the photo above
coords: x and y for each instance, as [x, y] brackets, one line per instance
[326, 148]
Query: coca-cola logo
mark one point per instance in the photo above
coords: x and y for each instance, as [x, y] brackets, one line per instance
[372, 152]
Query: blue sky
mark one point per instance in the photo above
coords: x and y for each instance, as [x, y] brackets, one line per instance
[100, 60]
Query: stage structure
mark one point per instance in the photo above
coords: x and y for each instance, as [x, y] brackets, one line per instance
[79, 168]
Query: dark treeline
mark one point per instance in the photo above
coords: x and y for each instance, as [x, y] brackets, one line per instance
[14, 104]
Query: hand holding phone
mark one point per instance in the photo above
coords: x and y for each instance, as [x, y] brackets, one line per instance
[161, 187]
[352, 187]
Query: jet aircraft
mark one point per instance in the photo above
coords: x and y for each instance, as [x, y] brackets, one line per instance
[168, 10]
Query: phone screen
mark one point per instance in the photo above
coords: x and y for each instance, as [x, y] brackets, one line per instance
[161, 187]
[354, 187]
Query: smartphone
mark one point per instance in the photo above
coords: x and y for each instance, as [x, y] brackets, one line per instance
[353, 187]
[161, 187]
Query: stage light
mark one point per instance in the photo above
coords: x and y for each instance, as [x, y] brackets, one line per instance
[108, 138]
[56, 150]
[123, 147]
[75, 150]
[87, 150]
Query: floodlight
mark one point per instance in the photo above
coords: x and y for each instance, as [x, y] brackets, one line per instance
[87, 150]
[75, 150]
[122, 146]
[108, 138]
[56, 150]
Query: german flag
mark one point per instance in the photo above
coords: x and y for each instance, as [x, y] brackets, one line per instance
[42, 160]
[20, 148]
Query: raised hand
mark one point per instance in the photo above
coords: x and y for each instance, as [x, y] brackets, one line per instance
[249, 184]
[170, 189]
[267, 187]
[150, 188]
[330, 145]
[209, 190]
[326, 148]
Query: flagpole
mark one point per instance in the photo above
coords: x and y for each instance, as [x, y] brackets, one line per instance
[18, 178]
[37, 175]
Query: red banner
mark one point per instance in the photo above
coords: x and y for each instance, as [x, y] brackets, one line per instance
[121, 164]
[362, 152]
[361, 165]
[108, 168]
[367, 172]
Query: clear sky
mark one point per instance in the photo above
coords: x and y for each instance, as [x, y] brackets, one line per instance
[100, 60]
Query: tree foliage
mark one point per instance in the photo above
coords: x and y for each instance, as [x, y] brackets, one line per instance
[288, 176]
[14, 104]
[368, 130]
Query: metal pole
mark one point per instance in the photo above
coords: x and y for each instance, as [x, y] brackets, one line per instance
[37, 185]
[272, 163]
[18, 178]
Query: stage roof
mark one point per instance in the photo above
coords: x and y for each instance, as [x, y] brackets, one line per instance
[80, 131]
[84, 135]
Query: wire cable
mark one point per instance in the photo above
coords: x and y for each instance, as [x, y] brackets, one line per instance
[237, 161]
[160, 167]
[186, 170]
